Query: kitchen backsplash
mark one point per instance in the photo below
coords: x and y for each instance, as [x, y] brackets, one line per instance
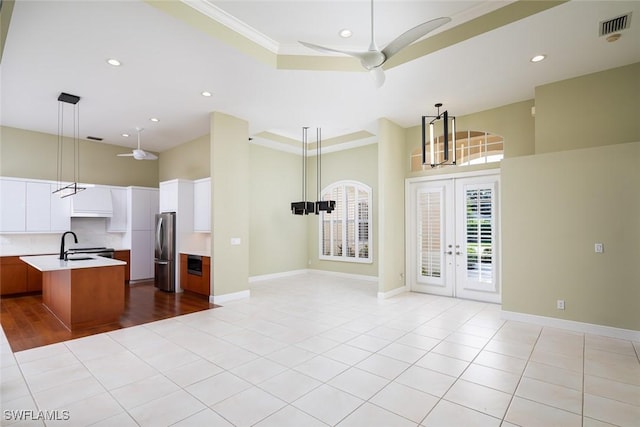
[93, 232]
[90, 232]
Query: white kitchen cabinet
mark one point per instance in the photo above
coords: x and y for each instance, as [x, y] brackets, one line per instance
[141, 255]
[119, 201]
[60, 211]
[143, 205]
[31, 207]
[169, 196]
[202, 205]
[46, 212]
[13, 197]
[92, 202]
[38, 212]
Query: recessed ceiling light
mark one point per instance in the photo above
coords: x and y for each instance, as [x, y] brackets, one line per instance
[345, 33]
[114, 62]
[126, 135]
[205, 93]
[155, 120]
[538, 58]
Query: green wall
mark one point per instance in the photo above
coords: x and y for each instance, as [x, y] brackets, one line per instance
[230, 193]
[28, 154]
[391, 248]
[278, 238]
[190, 160]
[555, 207]
[357, 164]
[589, 111]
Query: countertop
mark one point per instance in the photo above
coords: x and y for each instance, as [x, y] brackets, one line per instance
[200, 253]
[52, 263]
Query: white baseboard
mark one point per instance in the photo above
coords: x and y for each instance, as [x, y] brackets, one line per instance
[223, 299]
[347, 275]
[262, 277]
[393, 292]
[587, 328]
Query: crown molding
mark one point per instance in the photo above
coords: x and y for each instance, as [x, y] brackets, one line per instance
[222, 17]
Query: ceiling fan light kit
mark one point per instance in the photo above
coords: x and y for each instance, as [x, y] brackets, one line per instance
[373, 58]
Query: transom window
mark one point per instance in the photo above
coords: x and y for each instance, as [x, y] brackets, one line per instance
[472, 148]
[345, 233]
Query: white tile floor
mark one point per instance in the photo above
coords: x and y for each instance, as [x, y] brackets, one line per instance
[316, 350]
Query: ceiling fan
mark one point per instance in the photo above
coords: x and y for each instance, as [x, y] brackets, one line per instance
[373, 59]
[139, 153]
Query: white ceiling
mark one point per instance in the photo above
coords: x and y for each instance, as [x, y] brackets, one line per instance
[54, 46]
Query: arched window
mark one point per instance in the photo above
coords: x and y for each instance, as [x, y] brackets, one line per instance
[472, 147]
[345, 233]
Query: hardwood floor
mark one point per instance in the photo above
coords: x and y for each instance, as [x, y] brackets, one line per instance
[28, 324]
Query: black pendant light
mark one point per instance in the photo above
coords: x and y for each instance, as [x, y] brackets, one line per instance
[73, 188]
[306, 207]
[447, 120]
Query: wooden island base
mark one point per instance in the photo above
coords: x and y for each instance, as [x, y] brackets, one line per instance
[84, 297]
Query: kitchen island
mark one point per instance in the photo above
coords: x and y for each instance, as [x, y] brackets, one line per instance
[81, 292]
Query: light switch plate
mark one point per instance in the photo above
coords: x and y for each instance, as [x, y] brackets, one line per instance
[599, 248]
[235, 241]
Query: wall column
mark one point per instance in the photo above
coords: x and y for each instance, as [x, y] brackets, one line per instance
[230, 190]
[391, 162]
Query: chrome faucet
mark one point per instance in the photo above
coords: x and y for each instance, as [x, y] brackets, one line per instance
[63, 254]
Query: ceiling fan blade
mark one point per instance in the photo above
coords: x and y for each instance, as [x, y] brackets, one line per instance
[330, 50]
[377, 74]
[125, 155]
[149, 156]
[369, 59]
[408, 37]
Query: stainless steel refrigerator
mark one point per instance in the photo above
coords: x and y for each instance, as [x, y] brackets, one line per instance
[165, 251]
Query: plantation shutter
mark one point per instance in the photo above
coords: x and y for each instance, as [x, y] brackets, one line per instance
[430, 229]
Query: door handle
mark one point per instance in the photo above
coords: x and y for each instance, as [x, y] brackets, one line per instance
[158, 231]
[162, 262]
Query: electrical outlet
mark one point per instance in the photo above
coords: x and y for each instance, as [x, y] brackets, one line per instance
[560, 304]
[599, 248]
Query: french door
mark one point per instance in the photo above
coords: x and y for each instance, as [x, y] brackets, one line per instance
[452, 237]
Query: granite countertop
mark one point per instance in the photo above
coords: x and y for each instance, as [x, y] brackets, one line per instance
[53, 263]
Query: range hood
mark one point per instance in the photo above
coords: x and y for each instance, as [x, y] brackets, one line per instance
[92, 202]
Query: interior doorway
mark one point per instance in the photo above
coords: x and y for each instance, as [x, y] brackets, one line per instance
[453, 236]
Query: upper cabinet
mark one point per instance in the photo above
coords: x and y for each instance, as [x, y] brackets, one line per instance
[31, 206]
[13, 199]
[191, 200]
[119, 200]
[202, 205]
[92, 202]
[143, 203]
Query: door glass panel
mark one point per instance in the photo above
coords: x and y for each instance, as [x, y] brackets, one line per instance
[430, 233]
[479, 233]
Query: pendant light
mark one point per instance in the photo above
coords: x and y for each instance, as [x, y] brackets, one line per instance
[321, 205]
[306, 207]
[446, 121]
[303, 207]
[73, 188]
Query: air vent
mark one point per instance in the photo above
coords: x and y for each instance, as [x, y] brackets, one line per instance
[615, 24]
[94, 138]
